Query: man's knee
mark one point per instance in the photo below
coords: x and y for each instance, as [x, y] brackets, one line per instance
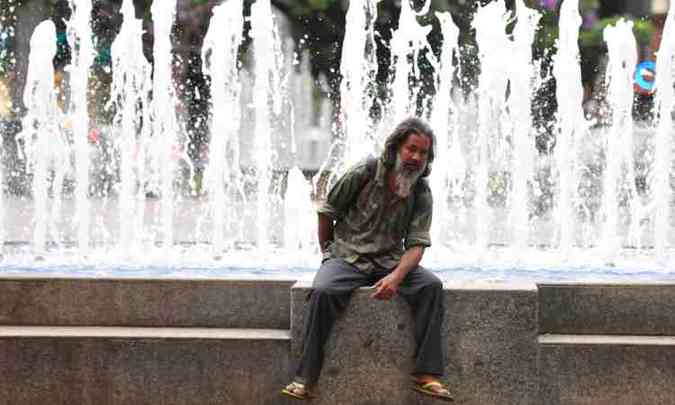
[434, 290]
[323, 290]
[430, 280]
[331, 280]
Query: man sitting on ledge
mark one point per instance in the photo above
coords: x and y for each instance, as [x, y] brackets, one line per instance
[373, 229]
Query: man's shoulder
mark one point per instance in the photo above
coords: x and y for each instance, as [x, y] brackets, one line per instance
[364, 166]
[422, 186]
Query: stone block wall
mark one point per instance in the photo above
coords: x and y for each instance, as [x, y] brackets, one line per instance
[491, 351]
[185, 342]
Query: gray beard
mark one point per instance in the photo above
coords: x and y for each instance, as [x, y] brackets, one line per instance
[405, 180]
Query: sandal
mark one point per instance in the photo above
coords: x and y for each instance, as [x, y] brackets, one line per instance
[296, 390]
[434, 389]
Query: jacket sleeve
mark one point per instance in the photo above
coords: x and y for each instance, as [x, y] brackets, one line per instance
[420, 222]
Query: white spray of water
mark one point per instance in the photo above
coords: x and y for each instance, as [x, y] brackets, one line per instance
[82, 50]
[571, 121]
[408, 42]
[41, 123]
[498, 127]
[521, 77]
[267, 99]
[222, 177]
[131, 85]
[164, 101]
[494, 48]
[301, 89]
[622, 52]
[449, 166]
[357, 87]
[300, 225]
[663, 145]
[4, 109]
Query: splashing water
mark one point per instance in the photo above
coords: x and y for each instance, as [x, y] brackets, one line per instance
[619, 173]
[165, 125]
[665, 101]
[131, 87]
[41, 133]
[521, 77]
[489, 206]
[494, 47]
[267, 99]
[408, 44]
[358, 81]
[223, 182]
[571, 122]
[80, 38]
[449, 166]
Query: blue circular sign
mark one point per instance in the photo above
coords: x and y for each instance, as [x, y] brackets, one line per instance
[645, 74]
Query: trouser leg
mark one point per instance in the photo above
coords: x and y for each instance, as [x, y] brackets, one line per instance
[424, 292]
[331, 290]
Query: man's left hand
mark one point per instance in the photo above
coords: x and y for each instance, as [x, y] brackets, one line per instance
[386, 287]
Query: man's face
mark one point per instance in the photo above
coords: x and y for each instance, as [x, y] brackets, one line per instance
[411, 161]
[413, 153]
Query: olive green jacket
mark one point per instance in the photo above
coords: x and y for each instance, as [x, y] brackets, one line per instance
[373, 225]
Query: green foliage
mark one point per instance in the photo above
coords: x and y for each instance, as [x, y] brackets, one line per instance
[320, 5]
[643, 30]
[588, 38]
[302, 8]
[547, 33]
[586, 5]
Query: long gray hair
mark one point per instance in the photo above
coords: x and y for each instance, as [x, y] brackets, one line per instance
[400, 134]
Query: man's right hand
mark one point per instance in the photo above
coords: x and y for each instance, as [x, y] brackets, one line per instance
[386, 287]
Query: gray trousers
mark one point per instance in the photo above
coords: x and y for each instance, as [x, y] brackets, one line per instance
[333, 286]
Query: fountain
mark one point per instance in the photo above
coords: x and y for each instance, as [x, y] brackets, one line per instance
[130, 93]
[41, 133]
[254, 205]
[135, 270]
[223, 180]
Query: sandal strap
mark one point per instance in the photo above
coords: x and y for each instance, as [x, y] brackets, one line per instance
[295, 385]
[440, 387]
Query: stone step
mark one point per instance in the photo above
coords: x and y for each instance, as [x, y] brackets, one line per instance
[489, 337]
[606, 340]
[113, 332]
[606, 309]
[145, 302]
[606, 370]
[121, 366]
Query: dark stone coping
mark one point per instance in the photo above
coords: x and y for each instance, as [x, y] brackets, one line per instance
[149, 302]
[607, 309]
[47, 276]
[470, 285]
